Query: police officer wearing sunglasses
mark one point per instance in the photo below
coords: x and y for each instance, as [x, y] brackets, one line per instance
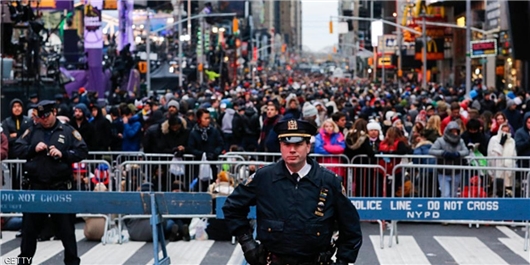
[50, 147]
[299, 205]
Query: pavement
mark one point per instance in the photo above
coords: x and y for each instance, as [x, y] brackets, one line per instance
[419, 243]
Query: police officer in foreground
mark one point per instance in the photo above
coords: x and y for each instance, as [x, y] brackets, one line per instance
[299, 204]
[50, 147]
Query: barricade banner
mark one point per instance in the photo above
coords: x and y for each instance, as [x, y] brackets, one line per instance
[115, 202]
[417, 209]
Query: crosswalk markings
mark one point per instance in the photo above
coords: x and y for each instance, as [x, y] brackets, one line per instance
[406, 252]
[45, 249]
[237, 256]
[110, 253]
[469, 250]
[514, 242]
[411, 250]
[192, 252]
[6, 237]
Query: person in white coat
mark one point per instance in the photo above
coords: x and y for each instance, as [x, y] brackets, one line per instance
[502, 146]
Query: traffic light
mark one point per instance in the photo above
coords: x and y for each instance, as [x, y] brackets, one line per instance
[199, 48]
[331, 27]
[235, 25]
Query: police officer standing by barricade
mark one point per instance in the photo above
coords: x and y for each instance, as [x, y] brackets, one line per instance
[299, 204]
[50, 147]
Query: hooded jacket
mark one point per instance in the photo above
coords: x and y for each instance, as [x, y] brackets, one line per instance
[497, 148]
[160, 139]
[449, 143]
[102, 137]
[226, 120]
[289, 114]
[15, 124]
[86, 129]
[132, 135]
[251, 123]
[522, 138]
[513, 116]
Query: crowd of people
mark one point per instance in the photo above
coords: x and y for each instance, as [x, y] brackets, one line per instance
[355, 118]
[363, 122]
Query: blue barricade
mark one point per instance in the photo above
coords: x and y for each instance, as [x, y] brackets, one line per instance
[154, 204]
[418, 209]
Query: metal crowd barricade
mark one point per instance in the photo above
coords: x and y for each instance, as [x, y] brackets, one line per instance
[373, 182]
[131, 183]
[12, 173]
[469, 182]
[257, 156]
[504, 182]
[83, 181]
[116, 157]
[351, 186]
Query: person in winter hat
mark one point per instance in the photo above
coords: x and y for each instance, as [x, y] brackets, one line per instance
[450, 150]
[310, 113]
[292, 108]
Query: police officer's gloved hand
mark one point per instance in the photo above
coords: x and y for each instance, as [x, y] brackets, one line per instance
[340, 262]
[251, 248]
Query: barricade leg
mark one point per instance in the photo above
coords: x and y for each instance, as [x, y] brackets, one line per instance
[393, 231]
[526, 234]
[381, 234]
[158, 233]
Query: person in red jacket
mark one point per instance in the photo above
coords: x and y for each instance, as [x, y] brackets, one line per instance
[455, 114]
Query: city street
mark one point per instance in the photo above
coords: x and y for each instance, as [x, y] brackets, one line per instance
[420, 243]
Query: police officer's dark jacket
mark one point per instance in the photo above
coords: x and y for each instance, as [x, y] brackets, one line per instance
[41, 167]
[296, 219]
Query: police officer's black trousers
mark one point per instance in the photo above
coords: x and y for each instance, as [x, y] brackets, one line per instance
[32, 224]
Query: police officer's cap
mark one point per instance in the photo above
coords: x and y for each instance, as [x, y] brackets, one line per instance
[45, 108]
[294, 131]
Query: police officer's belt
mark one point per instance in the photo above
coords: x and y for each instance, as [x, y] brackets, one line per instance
[322, 259]
[56, 185]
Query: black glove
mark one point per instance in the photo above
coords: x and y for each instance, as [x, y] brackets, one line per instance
[504, 138]
[251, 249]
[177, 152]
[340, 262]
[210, 156]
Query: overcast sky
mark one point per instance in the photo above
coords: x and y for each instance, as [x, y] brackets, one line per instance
[315, 23]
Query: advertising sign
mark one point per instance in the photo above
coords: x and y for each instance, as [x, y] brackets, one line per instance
[435, 49]
[93, 31]
[483, 48]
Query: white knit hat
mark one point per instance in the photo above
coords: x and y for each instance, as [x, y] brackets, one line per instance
[309, 110]
[373, 125]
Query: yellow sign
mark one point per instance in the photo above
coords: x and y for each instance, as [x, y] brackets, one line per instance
[431, 46]
[110, 4]
[384, 61]
[435, 49]
[142, 67]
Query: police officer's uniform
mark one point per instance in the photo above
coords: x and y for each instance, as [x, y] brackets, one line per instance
[44, 172]
[296, 217]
